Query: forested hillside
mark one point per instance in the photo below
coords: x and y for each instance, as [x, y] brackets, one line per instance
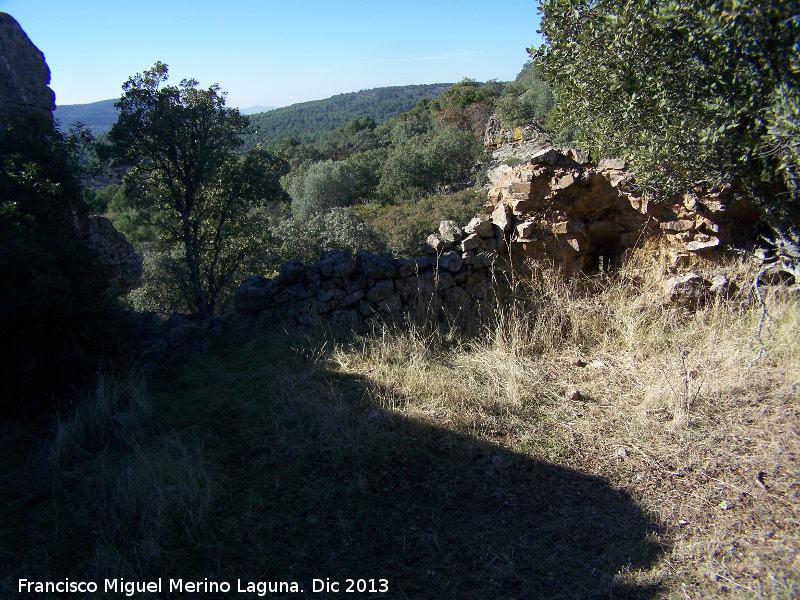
[97, 116]
[315, 120]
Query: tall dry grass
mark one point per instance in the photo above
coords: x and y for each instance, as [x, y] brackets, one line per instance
[695, 412]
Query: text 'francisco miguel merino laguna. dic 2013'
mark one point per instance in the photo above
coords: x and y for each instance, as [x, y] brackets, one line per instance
[130, 588]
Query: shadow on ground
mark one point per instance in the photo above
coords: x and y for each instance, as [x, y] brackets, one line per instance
[345, 490]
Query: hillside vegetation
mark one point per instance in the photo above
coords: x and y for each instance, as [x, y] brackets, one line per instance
[583, 437]
[315, 120]
[97, 116]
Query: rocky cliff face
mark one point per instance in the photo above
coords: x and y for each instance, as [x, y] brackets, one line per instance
[25, 95]
[24, 74]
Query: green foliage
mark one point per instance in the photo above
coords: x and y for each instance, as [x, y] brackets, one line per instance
[339, 228]
[691, 93]
[525, 100]
[404, 227]
[316, 120]
[186, 180]
[327, 184]
[52, 295]
[467, 105]
[425, 163]
[366, 169]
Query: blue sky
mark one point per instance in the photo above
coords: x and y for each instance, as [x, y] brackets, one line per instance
[276, 52]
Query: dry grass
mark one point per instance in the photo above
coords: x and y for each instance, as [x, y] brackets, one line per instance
[688, 412]
[453, 466]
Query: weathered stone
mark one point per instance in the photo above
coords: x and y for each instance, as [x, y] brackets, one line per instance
[290, 272]
[355, 283]
[550, 156]
[483, 227]
[336, 263]
[381, 291]
[351, 298]
[565, 181]
[254, 294]
[331, 295]
[119, 262]
[688, 290]
[434, 244]
[696, 246]
[505, 141]
[414, 285]
[479, 260]
[565, 227]
[24, 75]
[409, 266]
[720, 286]
[612, 163]
[451, 261]
[441, 280]
[677, 226]
[471, 242]
[501, 217]
[526, 229]
[376, 266]
[462, 276]
[450, 232]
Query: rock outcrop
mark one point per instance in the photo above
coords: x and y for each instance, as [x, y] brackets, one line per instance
[24, 74]
[25, 96]
[121, 265]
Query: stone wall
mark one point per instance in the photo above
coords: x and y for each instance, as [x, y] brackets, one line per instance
[460, 274]
[556, 207]
[560, 207]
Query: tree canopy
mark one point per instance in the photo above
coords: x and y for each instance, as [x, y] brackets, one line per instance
[186, 178]
[692, 93]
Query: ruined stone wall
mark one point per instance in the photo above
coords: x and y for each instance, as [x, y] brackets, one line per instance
[582, 216]
[461, 274]
[544, 204]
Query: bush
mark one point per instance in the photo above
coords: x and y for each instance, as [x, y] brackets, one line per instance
[327, 184]
[403, 228]
[337, 229]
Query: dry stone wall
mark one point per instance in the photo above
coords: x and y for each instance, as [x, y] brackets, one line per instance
[583, 216]
[461, 274]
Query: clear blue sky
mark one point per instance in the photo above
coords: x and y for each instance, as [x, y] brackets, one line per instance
[276, 52]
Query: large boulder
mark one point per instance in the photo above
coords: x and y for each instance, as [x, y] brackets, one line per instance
[119, 261]
[24, 74]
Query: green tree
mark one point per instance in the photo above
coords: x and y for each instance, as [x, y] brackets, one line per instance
[526, 99]
[692, 93]
[185, 177]
[326, 185]
[426, 163]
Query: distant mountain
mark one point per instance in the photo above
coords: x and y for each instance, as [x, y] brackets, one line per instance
[316, 120]
[97, 116]
[306, 121]
[251, 110]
